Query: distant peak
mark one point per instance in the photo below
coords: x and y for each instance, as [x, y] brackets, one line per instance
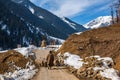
[99, 22]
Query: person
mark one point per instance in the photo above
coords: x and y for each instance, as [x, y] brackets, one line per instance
[50, 60]
[57, 63]
[44, 62]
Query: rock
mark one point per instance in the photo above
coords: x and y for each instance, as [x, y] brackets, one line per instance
[43, 43]
[72, 70]
[87, 71]
[99, 63]
[110, 64]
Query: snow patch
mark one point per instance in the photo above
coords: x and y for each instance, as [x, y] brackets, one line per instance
[25, 40]
[22, 19]
[31, 9]
[3, 51]
[41, 17]
[69, 23]
[26, 51]
[21, 74]
[110, 73]
[4, 27]
[73, 60]
[8, 32]
[60, 40]
[78, 33]
[105, 70]
[30, 29]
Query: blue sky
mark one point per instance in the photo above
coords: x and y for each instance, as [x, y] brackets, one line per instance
[80, 11]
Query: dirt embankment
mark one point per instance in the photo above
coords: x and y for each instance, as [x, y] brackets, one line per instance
[102, 41]
[11, 60]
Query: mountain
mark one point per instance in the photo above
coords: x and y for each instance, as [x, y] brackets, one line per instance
[51, 18]
[22, 22]
[101, 21]
[60, 23]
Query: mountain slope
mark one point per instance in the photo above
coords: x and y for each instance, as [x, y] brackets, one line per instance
[51, 18]
[103, 41]
[18, 28]
[99, 22]
[21, 22]
[74, 25]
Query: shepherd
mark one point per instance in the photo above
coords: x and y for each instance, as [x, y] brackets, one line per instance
[50, 60]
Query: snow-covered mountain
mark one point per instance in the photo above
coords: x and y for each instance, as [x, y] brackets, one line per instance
[65, 24]
[101, 21]
[22, 22]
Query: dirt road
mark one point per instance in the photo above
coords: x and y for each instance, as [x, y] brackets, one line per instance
[54, 74]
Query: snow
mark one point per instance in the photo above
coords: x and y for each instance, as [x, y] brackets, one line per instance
[73, 60]
[99, 22]
[3, 51]
[30, 29]
[4, 27]
[24, 74]
[105, 60]
[105, 70]
[110, 73]
[22, 19]
[98, 68]
[69, 23]
[78, 33]
[25, 41]
[41, 17]
[17, 1]
[39, 30]
[57, 46]
[2, 77]
[26, 51]
[8, 32]
[60, 40]
[21, 74]
[31, 9]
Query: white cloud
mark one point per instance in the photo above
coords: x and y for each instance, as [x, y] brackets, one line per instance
[43, 2]
[68, 8]
[32, 0]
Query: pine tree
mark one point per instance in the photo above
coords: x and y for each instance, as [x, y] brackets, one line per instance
[117, 7]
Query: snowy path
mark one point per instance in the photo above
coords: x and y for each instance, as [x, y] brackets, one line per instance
[54, 74]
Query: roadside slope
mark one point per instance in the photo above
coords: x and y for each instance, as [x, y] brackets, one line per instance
[102, 41]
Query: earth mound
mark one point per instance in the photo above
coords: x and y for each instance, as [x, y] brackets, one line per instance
[11, 61]
[104, 42]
